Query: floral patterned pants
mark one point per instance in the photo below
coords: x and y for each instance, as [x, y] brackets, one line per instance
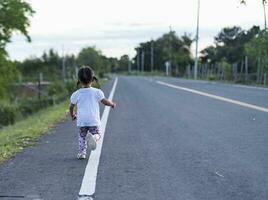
[83, 131]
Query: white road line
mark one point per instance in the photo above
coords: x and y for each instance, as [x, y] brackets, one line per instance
[89, 180]
[247, 105]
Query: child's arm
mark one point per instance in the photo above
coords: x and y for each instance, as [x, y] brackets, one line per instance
[107, 102]
[72, 113]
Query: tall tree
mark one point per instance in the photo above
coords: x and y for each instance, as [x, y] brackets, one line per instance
[208, 55]
[14, 17]
[257, 49]
[229, 44]
[123, 63]
[92, 57]
[9, 74]
[168, 47]
[50, 64]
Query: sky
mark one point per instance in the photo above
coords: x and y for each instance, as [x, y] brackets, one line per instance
[116, 27]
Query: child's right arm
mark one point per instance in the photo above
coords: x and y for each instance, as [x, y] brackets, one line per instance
[107, 102]
[72, 113]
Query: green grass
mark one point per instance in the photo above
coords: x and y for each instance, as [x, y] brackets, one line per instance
[16, 137]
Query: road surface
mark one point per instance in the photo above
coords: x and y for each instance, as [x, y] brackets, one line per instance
[168, 138]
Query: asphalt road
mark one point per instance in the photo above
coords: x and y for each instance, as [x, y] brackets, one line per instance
[160, 143]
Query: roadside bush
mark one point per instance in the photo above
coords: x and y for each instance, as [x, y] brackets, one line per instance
[56, 93]
[8, 115]
[70, 86]
[57, 88]
[212, 77]
[31, 106]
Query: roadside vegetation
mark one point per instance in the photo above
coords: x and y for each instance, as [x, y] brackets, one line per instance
[237, 55]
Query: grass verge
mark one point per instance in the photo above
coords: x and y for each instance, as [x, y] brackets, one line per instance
[16, 137]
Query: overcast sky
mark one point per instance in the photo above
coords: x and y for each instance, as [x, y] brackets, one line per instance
[116, 27]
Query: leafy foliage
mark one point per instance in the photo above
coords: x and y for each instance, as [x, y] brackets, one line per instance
[49, 64]
[257, 48]
[167, 47]
[92, 57]
[123, 63]
[14, 17]
[229, 45]
[9, 75]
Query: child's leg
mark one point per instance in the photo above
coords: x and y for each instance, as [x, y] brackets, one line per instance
[94, 130]
[82, 140]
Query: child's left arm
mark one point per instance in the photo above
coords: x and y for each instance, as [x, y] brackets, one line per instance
[108, 102]
[72, 113]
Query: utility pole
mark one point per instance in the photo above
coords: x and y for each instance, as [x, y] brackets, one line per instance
[138, 59]
[246, 68]
[152, 55]
[264, 11]
[40, 81]
[142, 61]
[129, 65]
[196, 40]
[170, 64]
[63, 65]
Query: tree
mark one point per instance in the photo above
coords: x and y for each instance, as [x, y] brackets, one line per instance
[14, 17]
[50, 64]
[257, 48]
[168, 47]
[94, 58]
[208, 55]
[229, 44]
[111, 64]
[123, 63]
[9, 74]
[230, 50]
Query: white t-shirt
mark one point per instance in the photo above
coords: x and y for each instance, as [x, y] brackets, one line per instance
[87, 101]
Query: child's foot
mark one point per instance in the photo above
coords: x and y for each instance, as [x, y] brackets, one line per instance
[81, 156]
[91, 141]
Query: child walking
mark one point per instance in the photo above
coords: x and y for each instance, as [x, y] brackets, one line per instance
[87, 101]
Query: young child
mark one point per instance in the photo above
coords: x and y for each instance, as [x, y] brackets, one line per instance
[87, 101]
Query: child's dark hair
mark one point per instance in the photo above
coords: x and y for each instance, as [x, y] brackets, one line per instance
[86, 75]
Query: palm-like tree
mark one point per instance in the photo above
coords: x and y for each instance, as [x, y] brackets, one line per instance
[264, 11]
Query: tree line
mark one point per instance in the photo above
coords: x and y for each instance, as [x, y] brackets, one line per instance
[234, 50]
[238, 52]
